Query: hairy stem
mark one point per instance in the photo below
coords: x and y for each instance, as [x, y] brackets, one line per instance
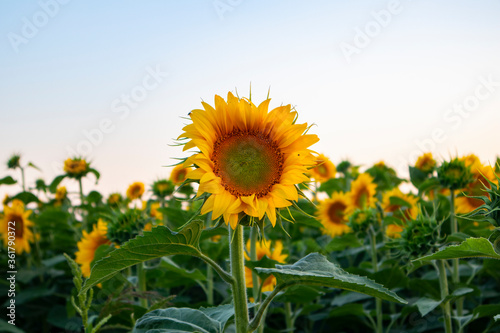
[443, 283]
[238, 272]
[378, 301]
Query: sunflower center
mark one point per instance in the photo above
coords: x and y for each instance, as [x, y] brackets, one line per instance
[247, 163]
[322, 170]
[336, 212]
[18, 225]
[362, 198]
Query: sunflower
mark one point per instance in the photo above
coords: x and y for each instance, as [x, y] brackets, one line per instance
[250, 159]
[362, 194]
[480, 174]
[76, 167]
[135, 191]
[405, 212]
[332, 214]
[89, 244]
[179, 173]
[61, 193]
[263, 250]
[16, 217]
[324, 169]
[425, 163]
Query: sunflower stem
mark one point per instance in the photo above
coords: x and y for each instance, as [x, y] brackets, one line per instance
[238, 272]
[455, 262]
[378, 301]
[81, 191]
[255, 278]
[210, 271]
[22, 179]
[443, 283]
[141, 276]
[288, 317]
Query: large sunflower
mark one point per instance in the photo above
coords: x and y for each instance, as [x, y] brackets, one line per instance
[250, 159]
[324, 169]
[15, 216]
[362, 194]
[262, 250]
[332, 214]
[89, 244]
[480, 174]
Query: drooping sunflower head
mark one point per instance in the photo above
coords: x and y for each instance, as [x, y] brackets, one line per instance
[324, 169]
[76, 167]
[89, 244]
[14, 161]
[400, 205]
[61, 193]
[179, 173]
[15, 216]
[426, 163]
[250, 158]
[135, 190]
[362, 194]
[162, 188]
[332, 214]
[273, 251]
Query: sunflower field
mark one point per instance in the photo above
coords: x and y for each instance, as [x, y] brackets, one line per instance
[254, 231]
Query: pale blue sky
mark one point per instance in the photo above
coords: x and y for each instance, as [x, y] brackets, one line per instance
[418, 64]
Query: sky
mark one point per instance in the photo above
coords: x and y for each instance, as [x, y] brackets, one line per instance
[111, 81]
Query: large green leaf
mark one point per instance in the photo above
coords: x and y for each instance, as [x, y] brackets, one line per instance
[205, 320]
[7, 181]
[315, 269]
[159, 242]
[470, 248]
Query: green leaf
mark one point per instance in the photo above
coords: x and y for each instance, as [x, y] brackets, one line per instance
[315, 269]
[30, 164]
[7, 181]
[26, 197]
[55, 183]
[96, 174]
[426, 305]
[205, 320]
[471, 248]
[161, 242]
